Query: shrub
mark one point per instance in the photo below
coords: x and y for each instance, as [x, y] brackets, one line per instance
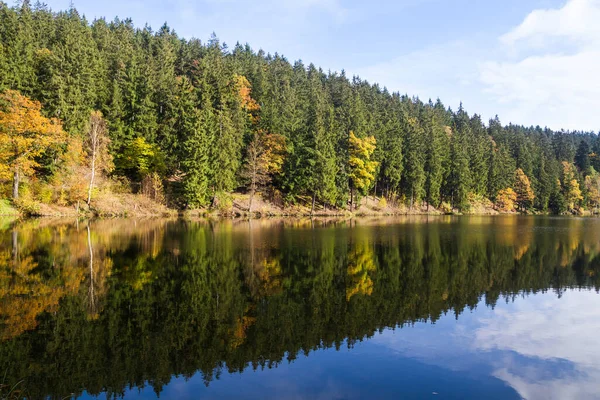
[223, 202]
[45, 194]
[446, 208]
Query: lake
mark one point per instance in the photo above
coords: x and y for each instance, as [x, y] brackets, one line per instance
[500, 307]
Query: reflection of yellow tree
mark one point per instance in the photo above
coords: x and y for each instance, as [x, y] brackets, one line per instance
[239, 331]
[265, 278]
[81, 265]
[567, 247]
[360, 264]
[263, 272]
[99, 269]
[25, 293]
[524, 238]
[515, 232]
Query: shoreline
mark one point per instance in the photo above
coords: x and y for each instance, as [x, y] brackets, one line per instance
[138, 206]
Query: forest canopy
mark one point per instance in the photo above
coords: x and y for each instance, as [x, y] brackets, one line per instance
[185, 122]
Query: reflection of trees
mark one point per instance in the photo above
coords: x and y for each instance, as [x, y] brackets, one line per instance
[26, 289]
[133, 306]
[43, 261]
[361, 265]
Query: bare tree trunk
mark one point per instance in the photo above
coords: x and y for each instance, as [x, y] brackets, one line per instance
[16, 179]
[15, 245]
[93, 174]
[375, 190]
[91, 267]
[250, 200]
[92, 179]
[253, 183]
[312, 210]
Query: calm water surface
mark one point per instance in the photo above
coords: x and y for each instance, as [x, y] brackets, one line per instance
[412, 308]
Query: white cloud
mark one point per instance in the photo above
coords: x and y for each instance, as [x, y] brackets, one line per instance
[576, 21]
[541, 72]
[557, 90]
[553, 80]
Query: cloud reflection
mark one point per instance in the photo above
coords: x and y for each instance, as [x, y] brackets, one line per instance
[543, 346]
[562, 332]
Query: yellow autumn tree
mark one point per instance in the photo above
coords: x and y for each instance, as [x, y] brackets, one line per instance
[24, 135]
[523, 190]
[505, 200]
[68, 182]
[572, 191]
[592, 185]
[362, 168]
[244, 92]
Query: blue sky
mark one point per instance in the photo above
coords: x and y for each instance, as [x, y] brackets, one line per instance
[529, 61]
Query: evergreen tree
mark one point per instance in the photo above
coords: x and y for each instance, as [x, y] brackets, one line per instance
[459, 180]
[413, 177]
[194, 131]
[582, 157]
[434, 164]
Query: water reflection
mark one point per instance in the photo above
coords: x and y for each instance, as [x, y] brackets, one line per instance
[103, 306]
[555, 339]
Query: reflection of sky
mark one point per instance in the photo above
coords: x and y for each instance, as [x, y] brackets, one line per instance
[542, 346]
[539, 347]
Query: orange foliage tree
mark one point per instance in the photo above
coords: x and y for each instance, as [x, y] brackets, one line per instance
[265, 157]
[523, 189]
[24, 135]
[572, 191]
[244, 92]
[505, 201]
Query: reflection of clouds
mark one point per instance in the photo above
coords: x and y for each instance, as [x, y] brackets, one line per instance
[543, 346]
[547, 328]
[445, 344]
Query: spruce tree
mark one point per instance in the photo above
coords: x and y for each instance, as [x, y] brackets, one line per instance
[582, 157]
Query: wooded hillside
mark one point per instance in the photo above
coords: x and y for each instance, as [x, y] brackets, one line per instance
[116, 107]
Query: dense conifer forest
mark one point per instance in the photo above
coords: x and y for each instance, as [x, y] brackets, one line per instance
[97, 106]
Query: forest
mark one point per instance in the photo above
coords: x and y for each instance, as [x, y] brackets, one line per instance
[91, 108]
